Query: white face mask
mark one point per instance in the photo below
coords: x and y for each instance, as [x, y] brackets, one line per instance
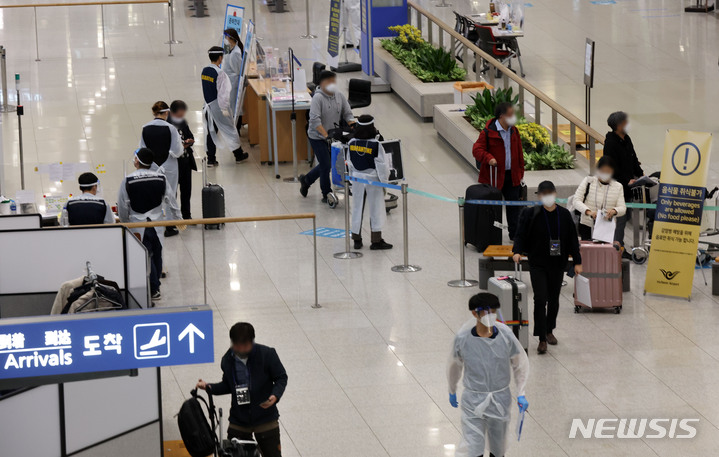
[548, 200]
[511, 120]
[488, 320]
[604, 177]
[627, 127]
[331, 88]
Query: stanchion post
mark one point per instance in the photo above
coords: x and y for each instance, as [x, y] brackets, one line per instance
[463, 281]
[307, 35]
[293, 121]
[37, 41]
[171, 24]
[204, 262]
[102, 16]
[406, 267]
[347, 254]
[20, 112]
[314, 246]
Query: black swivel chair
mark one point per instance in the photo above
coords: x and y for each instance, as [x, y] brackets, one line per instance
[360, 93]
[317, 68]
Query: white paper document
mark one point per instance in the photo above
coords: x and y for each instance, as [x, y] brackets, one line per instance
[584, 294]
[604, 229]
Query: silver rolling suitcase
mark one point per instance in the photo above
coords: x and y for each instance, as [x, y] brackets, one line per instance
[512, 294]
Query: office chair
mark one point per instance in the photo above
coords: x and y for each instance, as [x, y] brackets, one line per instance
[360, 93]
[317, 68]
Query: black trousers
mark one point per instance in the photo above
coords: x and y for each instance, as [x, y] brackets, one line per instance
[511, 193]
[268, 441]
[184, 182]
[585, 232]
[151, 241]
[547, 285]
[209, 144]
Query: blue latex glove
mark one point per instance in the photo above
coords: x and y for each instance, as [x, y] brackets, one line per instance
[522, 403]
[453, 400]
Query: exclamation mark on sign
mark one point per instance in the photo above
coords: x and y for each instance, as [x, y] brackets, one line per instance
[686, 158]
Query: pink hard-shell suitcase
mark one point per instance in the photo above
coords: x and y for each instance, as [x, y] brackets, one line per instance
[602, 265]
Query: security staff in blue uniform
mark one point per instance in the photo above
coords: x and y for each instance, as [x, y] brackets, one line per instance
[87, 208]
[221, 129]
[141, 198]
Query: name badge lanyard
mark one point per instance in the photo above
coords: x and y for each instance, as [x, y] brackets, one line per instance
[554, 246]
[242, 393]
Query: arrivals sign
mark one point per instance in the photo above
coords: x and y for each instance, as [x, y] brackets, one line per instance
[675, 236]
[93, 342]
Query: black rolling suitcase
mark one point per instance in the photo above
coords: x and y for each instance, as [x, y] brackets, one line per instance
[479, 220]
[213, 200]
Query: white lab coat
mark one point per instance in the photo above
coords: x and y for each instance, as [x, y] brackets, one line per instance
[375, 194]
[232, 65]
[488, 365]
[126, 213]
[170, 167]
[215, 112]
[109, 217]
[351, 20]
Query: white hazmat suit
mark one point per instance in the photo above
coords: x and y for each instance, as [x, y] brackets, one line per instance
[169, 167]
[232, 66]
[351, 20]
[488, 364]
[368, 160]
[217, 111]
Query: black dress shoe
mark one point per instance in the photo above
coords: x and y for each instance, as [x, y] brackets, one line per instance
[358, 244]
[240, 155]
[380, 246]
[171, 231]
[303, 186]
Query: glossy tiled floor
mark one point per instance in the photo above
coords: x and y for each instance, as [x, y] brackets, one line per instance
[367, 371]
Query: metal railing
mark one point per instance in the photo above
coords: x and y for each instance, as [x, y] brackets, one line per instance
[428, 22]
[228, 220]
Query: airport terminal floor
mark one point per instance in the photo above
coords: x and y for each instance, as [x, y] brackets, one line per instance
[368, 370]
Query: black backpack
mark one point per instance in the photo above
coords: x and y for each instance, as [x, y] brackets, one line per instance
[197, 434]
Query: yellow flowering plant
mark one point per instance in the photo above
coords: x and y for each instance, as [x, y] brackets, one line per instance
[426, 62]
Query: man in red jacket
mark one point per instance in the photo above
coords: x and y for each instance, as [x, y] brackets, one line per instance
[500, 159]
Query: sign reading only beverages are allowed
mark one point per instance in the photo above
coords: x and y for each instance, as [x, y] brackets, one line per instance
[117, 340]
[675, 237]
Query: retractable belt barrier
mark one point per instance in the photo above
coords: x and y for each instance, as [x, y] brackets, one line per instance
[494, 202]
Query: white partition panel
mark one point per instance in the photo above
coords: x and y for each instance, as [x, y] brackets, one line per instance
[20, 222]
[137, 269]
[31, 423]
[99, 409]
[41, 260]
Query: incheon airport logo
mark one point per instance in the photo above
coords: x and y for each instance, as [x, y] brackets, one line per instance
[669, 275]
[633, 428]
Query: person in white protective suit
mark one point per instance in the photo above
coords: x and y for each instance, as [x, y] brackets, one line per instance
[221, 129]
[367, 160]
[232, 66]
[488, 353]
[142, 196]
[351, 22]
[163, 139]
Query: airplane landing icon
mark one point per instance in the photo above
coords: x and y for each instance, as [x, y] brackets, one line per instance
[152, 341]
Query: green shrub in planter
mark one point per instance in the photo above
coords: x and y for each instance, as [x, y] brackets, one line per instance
[427, 63]
[555, 157]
